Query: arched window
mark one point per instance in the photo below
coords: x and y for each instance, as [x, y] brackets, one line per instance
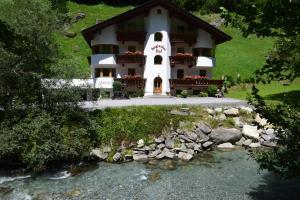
[158, 37]
[158, 60]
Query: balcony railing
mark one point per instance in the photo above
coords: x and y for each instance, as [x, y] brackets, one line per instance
[132, 82]
[132, 58]
[183, 59]
[190, 38]
[194, 83]
[131, 36]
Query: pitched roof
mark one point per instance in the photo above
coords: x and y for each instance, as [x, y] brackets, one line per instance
[178, 12]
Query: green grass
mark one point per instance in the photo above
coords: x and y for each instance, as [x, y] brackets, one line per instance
[273, 93]
[239, 55]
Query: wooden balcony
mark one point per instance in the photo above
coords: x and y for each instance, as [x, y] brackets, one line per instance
[132, 58]
[194, 84]
[190, 38]
[132, 83]
[124, 36]
[183, 59]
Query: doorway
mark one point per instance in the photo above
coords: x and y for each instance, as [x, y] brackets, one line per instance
[157, 85]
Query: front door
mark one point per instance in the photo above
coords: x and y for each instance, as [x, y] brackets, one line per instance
[157, 85]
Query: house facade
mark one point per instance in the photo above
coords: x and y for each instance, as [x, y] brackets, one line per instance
[157, 48]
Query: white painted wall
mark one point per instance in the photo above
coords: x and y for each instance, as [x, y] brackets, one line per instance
[157, 23]
[205, 62]
[204, 40]
[106, 36]
[103, 59]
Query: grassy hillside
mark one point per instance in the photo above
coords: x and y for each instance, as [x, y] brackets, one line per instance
[240, 55]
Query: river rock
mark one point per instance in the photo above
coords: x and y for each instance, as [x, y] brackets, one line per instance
[99, 154]
[169, 142]
[260, 121]
[223, 135]
[255, 145]
[210, 111]
[203, 127]
[270, 131]
[117, 156]
[159, 140]
[240, 142]
[231, 112]
[246, 109]
[218, 110]
[227, 145]
[160, 156]
[247, 142]
[250, 131]
[168, 153]
[161, 146]
[197, 147]
[140, 157]
[154, 153]
[185, 156]
[190, 145]
[269, 144]
[190, 135]
[140, 143]
[237, 122]
[207, 144]
[185, 138]
[266, 137]
[221, 117]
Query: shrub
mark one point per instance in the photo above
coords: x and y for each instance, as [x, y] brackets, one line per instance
[184, 93]
[203, 94]
[104, 94]
[212, 90]
[117, 86]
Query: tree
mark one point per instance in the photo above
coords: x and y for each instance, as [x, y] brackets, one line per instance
[278, 19]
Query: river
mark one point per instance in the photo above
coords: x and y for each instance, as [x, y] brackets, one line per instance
[214, 175]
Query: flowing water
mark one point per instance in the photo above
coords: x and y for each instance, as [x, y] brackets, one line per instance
[217, 175]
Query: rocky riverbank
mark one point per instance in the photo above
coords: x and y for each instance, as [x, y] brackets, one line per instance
[249, 131]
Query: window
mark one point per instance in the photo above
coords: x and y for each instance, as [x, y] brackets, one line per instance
[131, 27]
[180, 50]
[202, 72]
[95, 49]
[105, 49]
[196, 52]
[181, 29]
[131, 72]
[206, 52]
[159, 11]
[132, 48]
[158, 60]
[180, 73]
[158, 37]
[115, 49]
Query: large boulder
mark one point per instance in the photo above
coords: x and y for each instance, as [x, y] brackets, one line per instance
[169, 142]
[226, 145]
[250, 131]
[99, 154]
[207, 145]
[154, 153]
[140, 157]
[168, 153]
[255, 145]
[231, 112]
[203, 127]
[223, 135]
[185, 156]
[246, 109]
[140, 143]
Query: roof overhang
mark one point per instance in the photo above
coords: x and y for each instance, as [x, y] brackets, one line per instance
[177, 12]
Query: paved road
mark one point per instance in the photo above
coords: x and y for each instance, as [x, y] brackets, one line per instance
[203, 101]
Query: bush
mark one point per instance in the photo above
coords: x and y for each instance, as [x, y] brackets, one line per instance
[203, 94]
[40, 139]
[117, 86]
[184, 93]
[212, 90]
[104, 94]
